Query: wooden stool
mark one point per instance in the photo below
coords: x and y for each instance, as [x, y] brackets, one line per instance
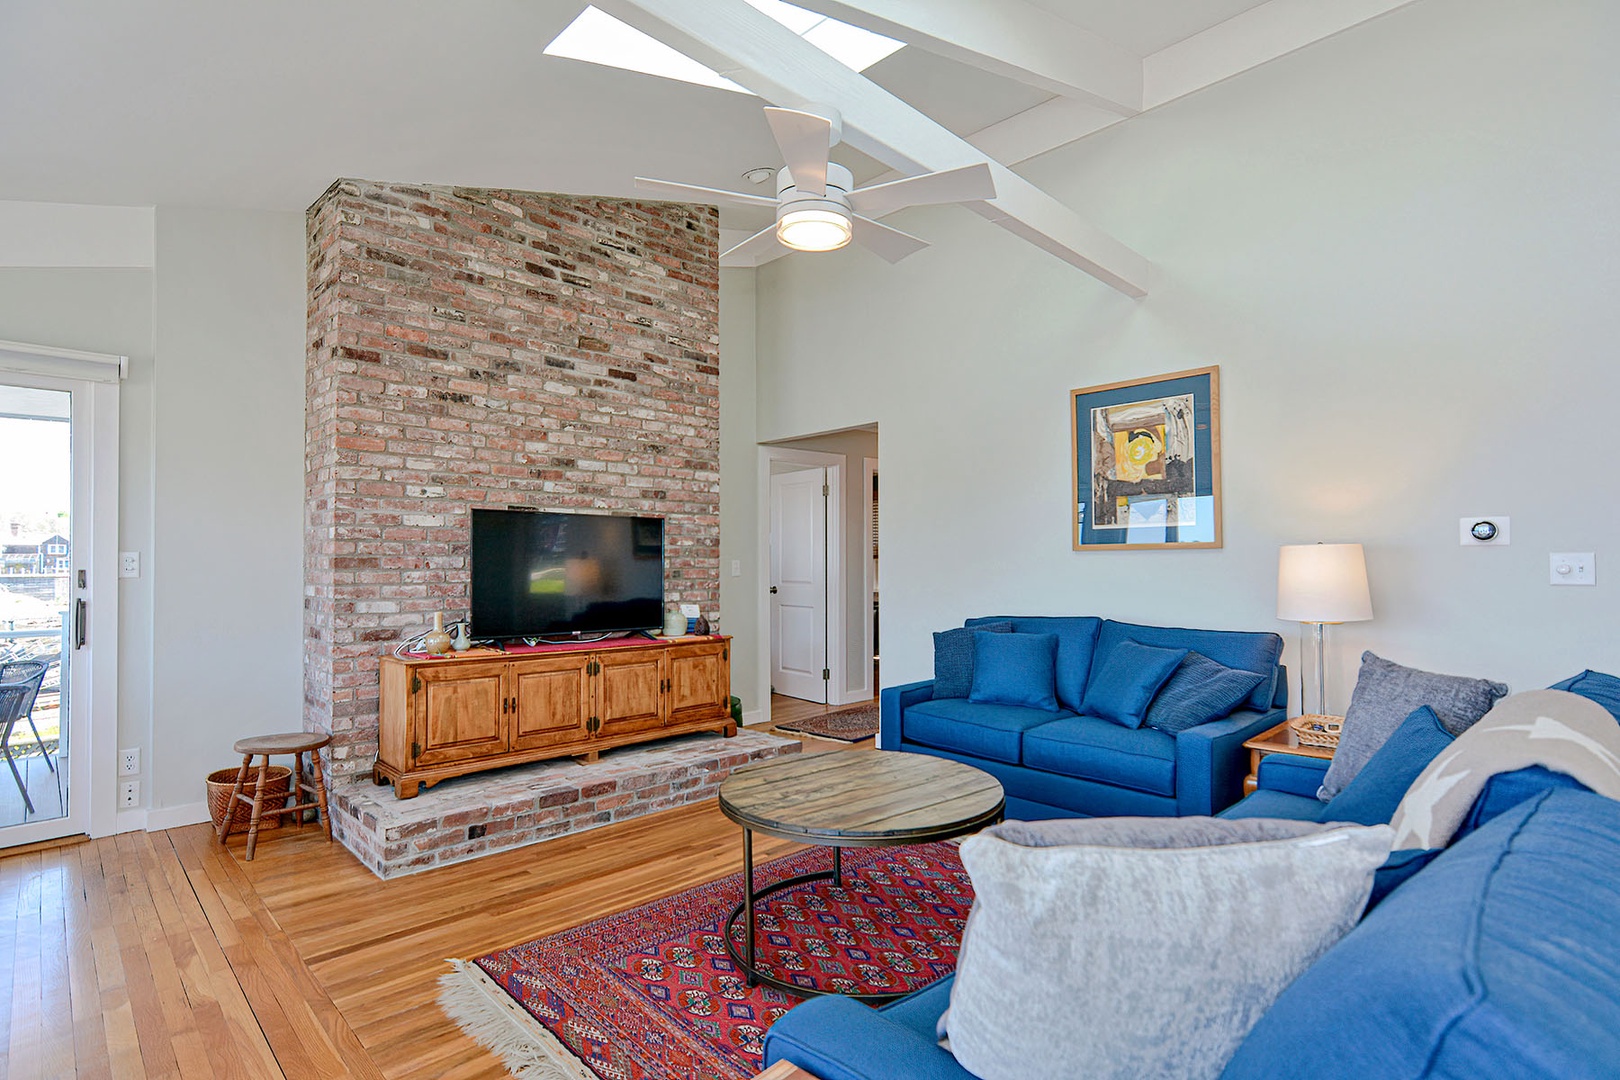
[296, 743]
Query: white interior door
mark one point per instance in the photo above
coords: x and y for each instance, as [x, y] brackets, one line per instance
[798, 608]
[59, 437]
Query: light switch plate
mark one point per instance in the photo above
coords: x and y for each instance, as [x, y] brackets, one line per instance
[1572, 568]
[1500, 533]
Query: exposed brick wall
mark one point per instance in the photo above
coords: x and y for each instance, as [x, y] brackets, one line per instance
[473, 347]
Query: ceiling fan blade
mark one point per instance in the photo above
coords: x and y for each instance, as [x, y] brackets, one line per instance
[970, 183]
[891, 244]
[693, 193]
[761, 247]
[804, 139]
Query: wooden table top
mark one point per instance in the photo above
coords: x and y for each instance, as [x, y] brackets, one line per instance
[1282, 739]
[862, 798]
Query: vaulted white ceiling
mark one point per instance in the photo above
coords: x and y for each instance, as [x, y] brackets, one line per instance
[202, 103]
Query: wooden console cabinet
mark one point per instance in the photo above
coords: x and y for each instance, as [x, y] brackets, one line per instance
[444, 717]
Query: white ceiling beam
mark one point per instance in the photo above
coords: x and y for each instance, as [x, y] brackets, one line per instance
[1240, 44]
[1011, 38]
[1246, 41]
[755, 51]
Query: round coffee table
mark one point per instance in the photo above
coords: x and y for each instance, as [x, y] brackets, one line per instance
[847, 798]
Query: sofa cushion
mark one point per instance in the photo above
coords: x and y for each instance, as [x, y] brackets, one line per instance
[1276, 804]
[1499, 959]
[985, 731]
[1601, 688]
[953, 658]
[1092, 748]
[1198, 691]
[1014, 669]
[1246, 650]
[1104, 947]
[1385, 695]
[1077, 640]
[1122, 685]
[1371, 798]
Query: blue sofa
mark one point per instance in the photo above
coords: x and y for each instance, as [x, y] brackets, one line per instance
[1066, 764]
[1497, 958]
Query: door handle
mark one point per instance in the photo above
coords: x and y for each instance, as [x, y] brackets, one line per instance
[80, 622]
[773, 590]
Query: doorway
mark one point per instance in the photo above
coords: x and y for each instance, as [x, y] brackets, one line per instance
[58, 503]
[819, 543]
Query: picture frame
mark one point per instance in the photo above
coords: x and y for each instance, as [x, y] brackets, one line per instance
[1147, 463]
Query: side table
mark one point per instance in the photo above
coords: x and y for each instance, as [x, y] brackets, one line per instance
[1281, 739]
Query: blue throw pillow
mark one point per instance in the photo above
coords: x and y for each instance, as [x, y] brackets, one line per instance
[1198, 691]
[1015, 669]
[1596, 686]
[1371, 798]
[1121, 689]
[953, 658]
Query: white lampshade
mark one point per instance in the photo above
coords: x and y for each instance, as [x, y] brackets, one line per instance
[1322, 583]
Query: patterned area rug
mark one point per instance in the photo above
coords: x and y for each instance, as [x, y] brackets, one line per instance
[845, 725]
[650, 994]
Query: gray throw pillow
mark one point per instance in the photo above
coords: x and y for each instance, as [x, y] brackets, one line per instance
[1137, 947]
[1385, 695]
[953, 658]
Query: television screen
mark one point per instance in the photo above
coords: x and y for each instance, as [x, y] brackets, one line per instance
[537, 573]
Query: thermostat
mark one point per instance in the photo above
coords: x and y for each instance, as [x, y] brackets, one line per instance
[1483, 529]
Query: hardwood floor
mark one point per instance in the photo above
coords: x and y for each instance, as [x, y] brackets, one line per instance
[165, 955]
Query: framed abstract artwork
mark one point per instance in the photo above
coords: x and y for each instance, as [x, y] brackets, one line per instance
[1147, 463]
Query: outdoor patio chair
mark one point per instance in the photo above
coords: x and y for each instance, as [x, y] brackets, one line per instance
[32, 672]
[14, 699]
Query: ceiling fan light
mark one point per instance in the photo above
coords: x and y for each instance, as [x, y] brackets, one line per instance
[813, 229]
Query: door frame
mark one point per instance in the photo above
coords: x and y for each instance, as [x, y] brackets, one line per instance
[93, 760]
[837, 586]
[869, 469]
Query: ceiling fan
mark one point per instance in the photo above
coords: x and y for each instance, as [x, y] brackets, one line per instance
[819, 208]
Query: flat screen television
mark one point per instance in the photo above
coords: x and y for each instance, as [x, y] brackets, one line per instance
[538, 573]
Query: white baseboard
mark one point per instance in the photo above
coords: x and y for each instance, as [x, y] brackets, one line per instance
[172, 817]
[129, 821]
[752, 717]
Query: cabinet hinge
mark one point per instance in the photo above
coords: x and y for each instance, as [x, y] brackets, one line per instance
[416, 750]
[725, 654]
[416, 682]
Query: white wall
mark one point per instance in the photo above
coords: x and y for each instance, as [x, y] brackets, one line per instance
[210, 467]
[227, 556]
[1399, 246]
[739, 498]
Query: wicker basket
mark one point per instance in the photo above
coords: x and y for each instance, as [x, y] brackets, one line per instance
[277, 786]
[1317, 730]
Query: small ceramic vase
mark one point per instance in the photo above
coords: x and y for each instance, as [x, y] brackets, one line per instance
[462, 638]
[436, 641]
[674, 623]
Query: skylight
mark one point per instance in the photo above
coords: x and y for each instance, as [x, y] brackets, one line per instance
[598, 38]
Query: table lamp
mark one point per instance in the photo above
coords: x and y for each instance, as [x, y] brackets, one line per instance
[1320, 584]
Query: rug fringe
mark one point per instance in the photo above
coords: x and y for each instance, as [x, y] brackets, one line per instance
[487, 1013]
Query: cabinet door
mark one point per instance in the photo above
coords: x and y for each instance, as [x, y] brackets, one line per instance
[553, 696]
[629, 690]
[458, 712]
[699, 682]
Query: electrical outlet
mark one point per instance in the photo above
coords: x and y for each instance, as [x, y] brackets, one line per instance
[129, 794]
[129, 761]
[736, 568]
[129, 564]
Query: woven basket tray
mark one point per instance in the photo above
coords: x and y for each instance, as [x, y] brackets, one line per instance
[277, 785]
[1317, 730]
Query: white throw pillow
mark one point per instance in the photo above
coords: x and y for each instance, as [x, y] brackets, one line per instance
[1137, 947]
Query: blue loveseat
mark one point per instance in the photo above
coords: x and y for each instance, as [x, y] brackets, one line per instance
[1496, 959]
[1064, 763]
